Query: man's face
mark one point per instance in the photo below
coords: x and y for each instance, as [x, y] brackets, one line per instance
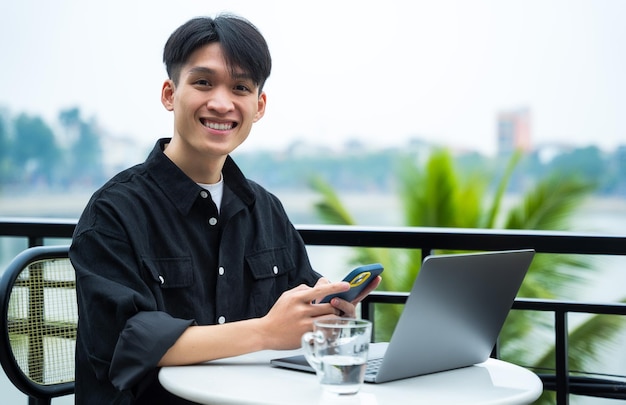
[213, 110]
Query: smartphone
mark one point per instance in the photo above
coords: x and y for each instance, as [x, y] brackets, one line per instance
[358, 278]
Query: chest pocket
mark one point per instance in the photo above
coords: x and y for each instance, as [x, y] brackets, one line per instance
[270, 264]
[171, 281]
[175, 272]
[270, 270]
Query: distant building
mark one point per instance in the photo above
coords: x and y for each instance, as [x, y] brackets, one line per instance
[514, 131]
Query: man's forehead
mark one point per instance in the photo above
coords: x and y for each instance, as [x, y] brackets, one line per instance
[210, 59]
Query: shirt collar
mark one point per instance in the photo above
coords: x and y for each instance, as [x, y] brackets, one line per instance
[181, 190]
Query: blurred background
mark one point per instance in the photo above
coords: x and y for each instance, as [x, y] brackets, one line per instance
[356, 87]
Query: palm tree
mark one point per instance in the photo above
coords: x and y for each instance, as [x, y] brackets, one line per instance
[439, 196]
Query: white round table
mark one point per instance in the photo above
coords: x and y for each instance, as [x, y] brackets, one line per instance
[249, 379]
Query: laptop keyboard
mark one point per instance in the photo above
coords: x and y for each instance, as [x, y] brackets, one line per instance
[372, 366]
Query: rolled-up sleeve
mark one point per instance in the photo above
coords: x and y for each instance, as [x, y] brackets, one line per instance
[142, 343]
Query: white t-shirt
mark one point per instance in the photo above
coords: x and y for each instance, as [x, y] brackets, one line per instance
[216, 190]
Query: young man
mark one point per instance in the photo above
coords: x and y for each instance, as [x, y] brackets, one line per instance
[181, 259]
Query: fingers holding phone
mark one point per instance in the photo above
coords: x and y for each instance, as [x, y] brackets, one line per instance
[362, 280]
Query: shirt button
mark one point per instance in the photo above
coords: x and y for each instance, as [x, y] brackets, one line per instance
[220, 271]
[221, 320]
[161, 279]
[204, 194]
[275, 269]
[212, 221]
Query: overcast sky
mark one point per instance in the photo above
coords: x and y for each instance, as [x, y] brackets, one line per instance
[379, 71]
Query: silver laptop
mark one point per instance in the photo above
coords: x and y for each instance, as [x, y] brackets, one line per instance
[452, 317]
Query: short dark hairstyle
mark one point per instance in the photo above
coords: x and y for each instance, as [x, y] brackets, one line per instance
[242, 44]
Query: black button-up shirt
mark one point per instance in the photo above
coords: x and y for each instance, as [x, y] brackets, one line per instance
[153, 256]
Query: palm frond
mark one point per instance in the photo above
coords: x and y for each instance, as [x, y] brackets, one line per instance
[492, 213]
[550, 204]
[438, 196]
[330, 208]
[551, 276]
[467, 204]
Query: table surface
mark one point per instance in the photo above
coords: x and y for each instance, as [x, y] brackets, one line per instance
[250, 379]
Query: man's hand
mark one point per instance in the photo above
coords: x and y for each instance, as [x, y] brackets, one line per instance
[295, 310]
[348, 309]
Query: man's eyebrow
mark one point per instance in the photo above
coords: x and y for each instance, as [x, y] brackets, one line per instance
[236, 75]
[201, 70]
[242, 76]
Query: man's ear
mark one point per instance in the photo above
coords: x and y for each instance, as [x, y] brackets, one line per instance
[261, 107]
[167, 94]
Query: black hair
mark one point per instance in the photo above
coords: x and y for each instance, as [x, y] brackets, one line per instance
[242, 44]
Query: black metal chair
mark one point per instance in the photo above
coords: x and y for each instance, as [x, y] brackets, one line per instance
[38, 319]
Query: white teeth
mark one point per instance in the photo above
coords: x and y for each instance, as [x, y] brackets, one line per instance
[218, 126]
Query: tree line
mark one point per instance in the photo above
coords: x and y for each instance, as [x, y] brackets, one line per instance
[32, 153]
[69, 154]
[363, 170]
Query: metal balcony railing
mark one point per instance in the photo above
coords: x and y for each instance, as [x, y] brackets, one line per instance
[427, 240]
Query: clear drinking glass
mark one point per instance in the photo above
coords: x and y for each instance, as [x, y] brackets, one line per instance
[337, 349]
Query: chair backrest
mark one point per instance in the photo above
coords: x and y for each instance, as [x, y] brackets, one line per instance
[38, 316]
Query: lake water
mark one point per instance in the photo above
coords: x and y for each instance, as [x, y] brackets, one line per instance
[600, 215]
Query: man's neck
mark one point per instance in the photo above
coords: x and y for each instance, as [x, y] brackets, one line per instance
[201, 168]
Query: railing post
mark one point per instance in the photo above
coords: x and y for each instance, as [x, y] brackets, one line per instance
[562, 367]
[367, 312]
[35, 241]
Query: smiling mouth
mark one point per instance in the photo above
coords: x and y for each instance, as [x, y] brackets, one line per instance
[220, 126]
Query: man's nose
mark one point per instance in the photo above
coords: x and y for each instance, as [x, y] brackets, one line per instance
[220, 100]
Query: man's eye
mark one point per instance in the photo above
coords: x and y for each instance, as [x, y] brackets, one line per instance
[243, 88]
[203, 82]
